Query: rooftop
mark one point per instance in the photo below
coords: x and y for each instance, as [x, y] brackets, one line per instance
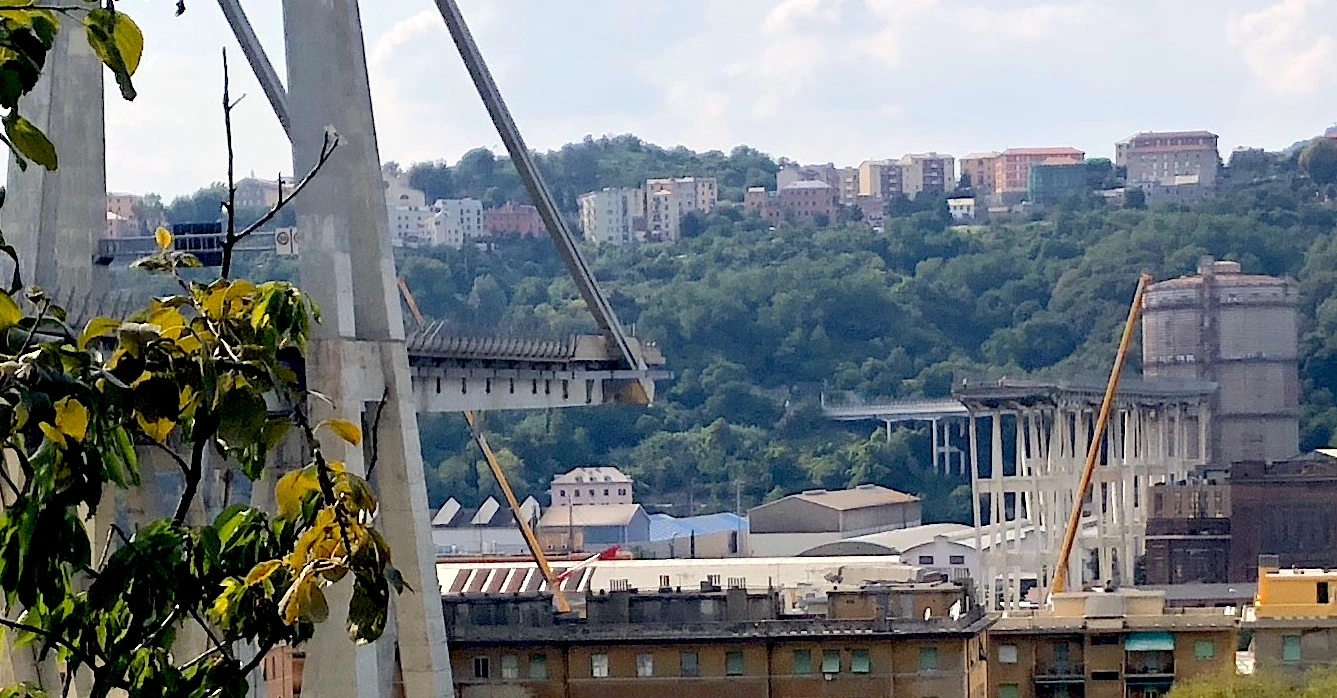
[860, 497]
[808, 184]
[1167, 134]
[902, 539]
[1055, 150]
[981, 156]
[595, 474]
[666, 527]
[586, 515]
[489, 514]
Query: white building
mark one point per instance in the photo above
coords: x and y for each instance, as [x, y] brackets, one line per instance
[612, 215]
[962, 209]
[410, 219]
[592, 485]
[488, 529]
[455, 221]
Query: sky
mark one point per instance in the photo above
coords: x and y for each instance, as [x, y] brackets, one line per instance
[812, 80]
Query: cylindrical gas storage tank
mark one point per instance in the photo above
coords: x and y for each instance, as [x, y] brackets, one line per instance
[1239, 331]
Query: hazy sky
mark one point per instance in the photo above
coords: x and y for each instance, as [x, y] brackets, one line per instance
[814, 80]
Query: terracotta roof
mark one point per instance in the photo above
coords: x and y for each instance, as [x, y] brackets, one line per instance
[861, 497]
[1057, 150]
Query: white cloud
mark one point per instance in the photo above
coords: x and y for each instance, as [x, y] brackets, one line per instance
[1282, 49]
[792, 12]
[1028, 23]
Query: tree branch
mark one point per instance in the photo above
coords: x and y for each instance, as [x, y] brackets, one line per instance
[181, 462]
[259, 657]
[52, 638]
[213, 637]
[204, 429]
[231, 204]
[374, 437]
[327, 149]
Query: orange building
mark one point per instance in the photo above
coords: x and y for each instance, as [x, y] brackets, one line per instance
[1012, 168]
[513, 221]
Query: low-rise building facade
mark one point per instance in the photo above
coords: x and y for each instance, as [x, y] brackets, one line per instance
[1123, 644]
[1048, 183]
[927, 173]
[513, 220]
[1295, 618]
[1303, 532]
[591, 485]
[668, 200]
[793, 524]
[1188, 534]
[979, 167]
[805, 202]
[717, 642]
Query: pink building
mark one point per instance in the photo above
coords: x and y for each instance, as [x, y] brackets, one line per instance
[803, 201]
[1012, 168]
[513, 221]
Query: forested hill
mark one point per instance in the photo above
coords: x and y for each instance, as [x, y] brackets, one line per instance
[755, 322]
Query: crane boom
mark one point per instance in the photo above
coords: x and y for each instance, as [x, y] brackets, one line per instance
[476, 428]
[1093, 452]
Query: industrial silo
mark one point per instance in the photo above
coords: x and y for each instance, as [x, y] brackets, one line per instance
[1239, 331]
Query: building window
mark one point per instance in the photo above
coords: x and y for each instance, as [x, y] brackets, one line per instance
[605, 493]
[1322, 592]
[1204, 649]
[802, 662]
[1104, 639]
[925, 559]
[591, 493]
[928, 659]
[1104, 676]
[576, 492]
[831, 662]
[621, 490]
[1009, 690]
[538, 667]
[957, 559]
[645, 665]
[1007, 654]
[482, 668]
[733, 663]
[561, 493]
[1290, 648]
[510, 666]
[860, 662]
[690, 665]
[599, 666]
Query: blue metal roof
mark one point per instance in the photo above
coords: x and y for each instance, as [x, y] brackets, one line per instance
[666, 527]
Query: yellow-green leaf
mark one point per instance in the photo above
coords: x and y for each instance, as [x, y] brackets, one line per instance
[10, 314]
[98, 328]
[158, 430]
[72, 418]
[30, 141]
[262, 571]
[292, 488]
[304, 601]
[130, 41]
[345, 430]
[163, 237]
[118, 41]
[52, 433]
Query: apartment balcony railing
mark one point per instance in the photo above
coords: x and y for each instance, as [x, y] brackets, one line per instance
[1059, 672]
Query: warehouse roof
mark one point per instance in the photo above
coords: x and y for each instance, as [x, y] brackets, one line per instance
[861, 497]
[584, 515]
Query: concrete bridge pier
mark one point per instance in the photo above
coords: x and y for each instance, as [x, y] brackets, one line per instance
[359, 358]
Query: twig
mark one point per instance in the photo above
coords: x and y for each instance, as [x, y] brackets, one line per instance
[181, 462]
[231, 205]
[327, 149]
[259, 657]
[213, 637]
[376, 432]
[32, 331]
[201, 657]
[51, 637]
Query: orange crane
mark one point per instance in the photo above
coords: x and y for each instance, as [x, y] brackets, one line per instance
[476, 428]
[1093, 452]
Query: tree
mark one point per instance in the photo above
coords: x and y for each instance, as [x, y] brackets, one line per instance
[1134, 197]
[1319, 161]
[186, 378]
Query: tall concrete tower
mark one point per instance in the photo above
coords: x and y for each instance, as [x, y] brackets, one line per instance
[1239, 331]
[359, 357]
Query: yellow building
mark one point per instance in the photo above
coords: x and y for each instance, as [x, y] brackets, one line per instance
[1123, 644]
[1295, 617]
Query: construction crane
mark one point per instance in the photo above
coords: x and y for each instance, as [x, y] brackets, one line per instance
[1093, 451]
[476, 428]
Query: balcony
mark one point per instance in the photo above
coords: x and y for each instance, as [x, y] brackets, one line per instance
[1149, 670]
[1049, 672]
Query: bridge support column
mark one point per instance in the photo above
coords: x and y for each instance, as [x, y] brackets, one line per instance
[358, 357]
